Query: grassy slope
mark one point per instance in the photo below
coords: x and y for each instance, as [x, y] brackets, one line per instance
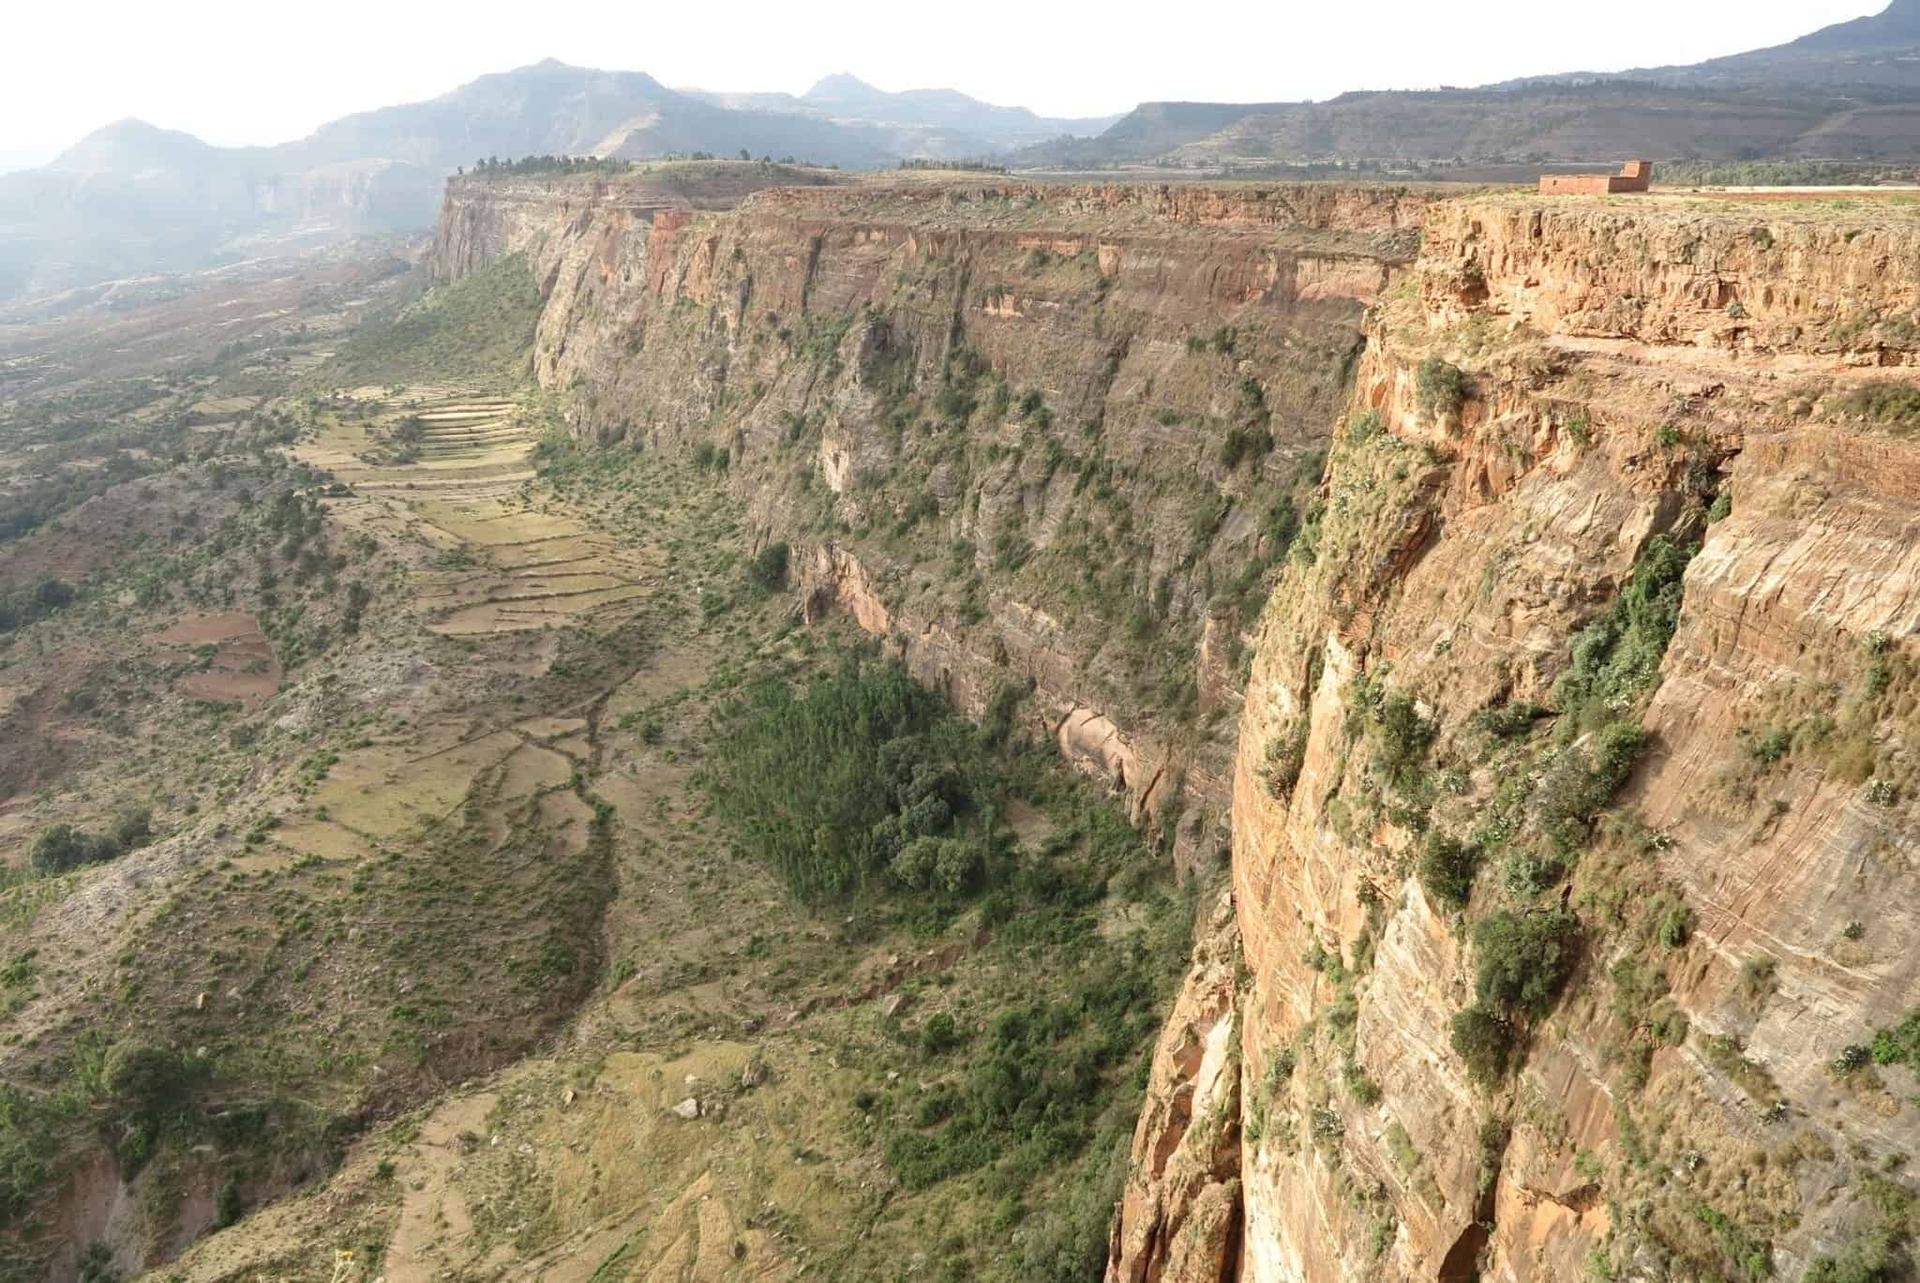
[476, 332]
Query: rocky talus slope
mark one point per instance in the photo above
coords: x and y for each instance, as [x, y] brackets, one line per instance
[1569, 760]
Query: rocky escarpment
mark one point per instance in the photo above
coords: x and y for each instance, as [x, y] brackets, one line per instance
[1571, 784]
[1042, 438]
[1591, 720]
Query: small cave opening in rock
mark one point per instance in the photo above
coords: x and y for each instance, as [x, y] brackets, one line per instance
[1462, 1262]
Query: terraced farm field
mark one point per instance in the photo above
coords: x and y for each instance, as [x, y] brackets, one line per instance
[508, 561]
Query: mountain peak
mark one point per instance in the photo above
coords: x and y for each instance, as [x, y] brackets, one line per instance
[1896, 25]
[842, 86]
[130, 144]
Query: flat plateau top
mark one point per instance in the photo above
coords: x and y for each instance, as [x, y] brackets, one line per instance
[1796, 195]
[1851, 206]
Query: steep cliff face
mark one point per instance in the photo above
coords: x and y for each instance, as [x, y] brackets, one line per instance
[1513, 747]
[1031, 436]
[1571, 781]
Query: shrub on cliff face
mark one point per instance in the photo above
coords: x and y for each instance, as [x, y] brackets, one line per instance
[1522, 960]
[1878, 1256]
[1617, 657]
[1582, 780]
[1486, 1043]
[769, 568]
[1243, 443]
[1447, 869]
[1441, 388]
[1286, 755]
[1404, 735]
[1900, 1044]
[1892, 405]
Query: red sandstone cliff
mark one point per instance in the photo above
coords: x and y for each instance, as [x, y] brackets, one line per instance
[1741, 904]
[1087, 534]
[1557, 396]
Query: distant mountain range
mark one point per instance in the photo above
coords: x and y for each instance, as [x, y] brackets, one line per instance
[1848, 92]
[940, 124]
[133, 199]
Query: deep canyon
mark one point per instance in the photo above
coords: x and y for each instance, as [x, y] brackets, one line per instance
[1528, 482]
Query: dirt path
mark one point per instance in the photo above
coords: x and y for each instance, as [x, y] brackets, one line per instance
[433, 1211]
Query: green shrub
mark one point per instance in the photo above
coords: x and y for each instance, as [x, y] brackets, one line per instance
[1877, 1256]
[151, 1091]
[28, 603]
[940, 1034]
[1243, 443]
[27, 1149]
[1900, 1044]
[60, 848]
[1676, 926]
[1441, 388]
[1750, 1258]
[769, 568]
[959, 393]
[1510, 720]
[1772, 745]
[1617, 657]
[96, 1265]
[1486, 1043]
[1521, 961]
[1286, 754]
[227, 1205]
[1447, 869]
[1404, 735]
[1580, 781]
[944, 864]
[1891, 404]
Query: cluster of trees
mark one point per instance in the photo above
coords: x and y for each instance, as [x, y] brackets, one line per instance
[858, 781]
[26, 603]
[1783, 173]
[546, 165]
[971, 166]
[61, 847]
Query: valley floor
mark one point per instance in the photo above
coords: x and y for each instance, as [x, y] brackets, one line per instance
[441, 906]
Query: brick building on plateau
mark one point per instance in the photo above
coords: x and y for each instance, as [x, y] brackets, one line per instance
[1634, 176]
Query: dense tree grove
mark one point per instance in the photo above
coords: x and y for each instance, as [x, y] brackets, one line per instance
[857, 779]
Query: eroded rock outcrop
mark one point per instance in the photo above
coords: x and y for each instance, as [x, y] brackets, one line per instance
[1179, 1220]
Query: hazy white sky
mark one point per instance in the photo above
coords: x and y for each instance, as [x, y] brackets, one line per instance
[260, 71]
